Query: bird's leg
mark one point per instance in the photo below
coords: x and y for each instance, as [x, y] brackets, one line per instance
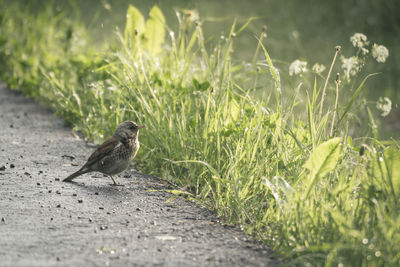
[115, 184]
[113, 180]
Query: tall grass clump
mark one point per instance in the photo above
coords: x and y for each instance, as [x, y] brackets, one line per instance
[228, 135]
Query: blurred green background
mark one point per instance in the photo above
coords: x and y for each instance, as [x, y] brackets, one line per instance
[305, 29]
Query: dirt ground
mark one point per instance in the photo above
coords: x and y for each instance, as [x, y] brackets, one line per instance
[46, 222]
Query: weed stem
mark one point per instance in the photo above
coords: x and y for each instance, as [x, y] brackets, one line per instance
[337, 82]
[337, 50]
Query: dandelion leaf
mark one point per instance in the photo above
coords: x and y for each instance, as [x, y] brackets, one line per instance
[155, 31]
[322, 160]
[134, 22]
[325, 157]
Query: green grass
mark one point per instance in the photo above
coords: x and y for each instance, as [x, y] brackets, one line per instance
[245, 140]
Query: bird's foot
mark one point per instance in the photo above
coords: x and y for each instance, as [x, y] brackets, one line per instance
[117, 184]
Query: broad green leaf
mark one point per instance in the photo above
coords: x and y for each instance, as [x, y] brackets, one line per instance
[155, 31]
[134, 22]
[392, 161]
[323, 160]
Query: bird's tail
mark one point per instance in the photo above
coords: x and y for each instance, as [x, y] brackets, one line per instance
[83, 170]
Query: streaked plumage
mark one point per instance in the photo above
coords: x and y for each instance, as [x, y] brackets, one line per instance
[115, 154]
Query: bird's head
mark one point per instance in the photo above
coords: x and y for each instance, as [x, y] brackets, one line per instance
[127, 130]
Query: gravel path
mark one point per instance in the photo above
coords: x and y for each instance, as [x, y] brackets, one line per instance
[45, 222]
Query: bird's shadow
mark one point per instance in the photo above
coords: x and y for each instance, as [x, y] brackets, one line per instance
[103, 189]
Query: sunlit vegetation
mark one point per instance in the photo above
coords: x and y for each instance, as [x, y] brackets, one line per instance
[271, 149]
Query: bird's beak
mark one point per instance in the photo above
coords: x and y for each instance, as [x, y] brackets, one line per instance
[140, 126]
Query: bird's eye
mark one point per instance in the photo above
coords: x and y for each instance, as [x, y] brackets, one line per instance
[132, 127]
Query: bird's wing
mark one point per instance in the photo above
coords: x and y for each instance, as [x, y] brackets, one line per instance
[103, 150]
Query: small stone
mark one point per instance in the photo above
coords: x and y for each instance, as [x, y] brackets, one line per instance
[37, 183]
[2, 168]
[68, 157]
[138, 209]
[12, 165]
[58, 192]
[90, 220]
[3, 219]
[49, 191]
[74, 194]
[103, 227]
[96, 193]
[101, 208]
[57, 179]
[58, 206]
[80, 201]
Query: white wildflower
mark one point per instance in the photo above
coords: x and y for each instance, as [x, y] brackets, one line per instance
[359, 40]
[297, 67]
[318, 68]
[351, 66]
[385, 105]
[380, 53]
[191, 15]
[106, 5]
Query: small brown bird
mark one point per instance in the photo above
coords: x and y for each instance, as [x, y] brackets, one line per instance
[115, 154]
